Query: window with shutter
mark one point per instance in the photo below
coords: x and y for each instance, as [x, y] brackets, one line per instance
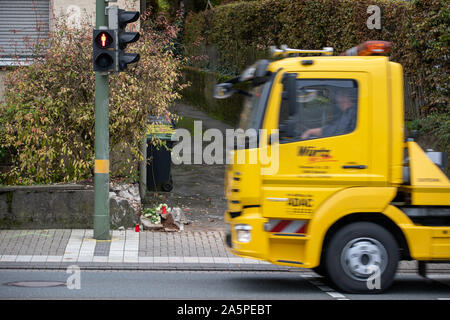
[22, 24]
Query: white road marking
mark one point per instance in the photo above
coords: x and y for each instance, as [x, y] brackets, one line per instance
[326, 289]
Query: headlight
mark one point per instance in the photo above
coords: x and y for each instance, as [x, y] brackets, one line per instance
[243, 232]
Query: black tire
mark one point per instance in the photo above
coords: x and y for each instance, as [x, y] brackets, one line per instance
[356, 252]
[320, 270]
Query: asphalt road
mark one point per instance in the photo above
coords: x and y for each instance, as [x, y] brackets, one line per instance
[196, 285]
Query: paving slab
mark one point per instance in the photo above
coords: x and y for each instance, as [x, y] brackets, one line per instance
[125, 252]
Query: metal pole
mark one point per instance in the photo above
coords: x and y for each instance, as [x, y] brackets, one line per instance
[101, 175]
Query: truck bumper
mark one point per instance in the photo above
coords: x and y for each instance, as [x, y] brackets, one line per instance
[246, 237]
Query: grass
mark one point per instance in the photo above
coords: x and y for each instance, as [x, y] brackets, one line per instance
[188, 124]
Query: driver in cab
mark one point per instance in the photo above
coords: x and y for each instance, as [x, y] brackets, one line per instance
[345, 123]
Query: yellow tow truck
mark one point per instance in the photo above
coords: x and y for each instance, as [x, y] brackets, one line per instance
[348, 194]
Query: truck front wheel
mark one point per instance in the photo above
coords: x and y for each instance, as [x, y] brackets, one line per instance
[362, 257]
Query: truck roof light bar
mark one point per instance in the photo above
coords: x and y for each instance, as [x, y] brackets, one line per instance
[369, 48]
[285, 51]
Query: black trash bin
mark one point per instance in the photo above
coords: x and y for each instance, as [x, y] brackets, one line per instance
[159, 159]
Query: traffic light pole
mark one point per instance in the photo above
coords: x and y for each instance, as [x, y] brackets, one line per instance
[101, 174]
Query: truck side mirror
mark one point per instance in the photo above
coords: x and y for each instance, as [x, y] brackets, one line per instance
[223, 90]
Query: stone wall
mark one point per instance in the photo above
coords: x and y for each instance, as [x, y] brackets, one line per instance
[64, 206]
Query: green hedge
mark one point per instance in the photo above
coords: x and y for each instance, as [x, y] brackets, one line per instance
[200, 5]
[200, 94]
[235, 35]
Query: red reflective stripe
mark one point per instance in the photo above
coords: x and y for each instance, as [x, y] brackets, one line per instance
[281, 225]
[302, 229]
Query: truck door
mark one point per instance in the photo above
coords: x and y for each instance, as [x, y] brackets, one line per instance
[323, 122]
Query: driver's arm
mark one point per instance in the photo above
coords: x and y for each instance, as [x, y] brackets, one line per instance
[317, 132]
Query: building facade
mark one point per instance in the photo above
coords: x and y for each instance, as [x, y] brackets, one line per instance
[23, 22]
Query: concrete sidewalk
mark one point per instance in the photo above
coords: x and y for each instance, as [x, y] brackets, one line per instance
[129, 250]
[146, 250]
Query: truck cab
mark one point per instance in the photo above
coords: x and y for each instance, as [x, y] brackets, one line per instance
[336, 186]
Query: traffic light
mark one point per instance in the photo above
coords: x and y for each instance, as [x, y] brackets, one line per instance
[103, 44]
[124, 38]
[109, 44]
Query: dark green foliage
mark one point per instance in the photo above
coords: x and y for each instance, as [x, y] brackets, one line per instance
[233, 36]
[200, 95]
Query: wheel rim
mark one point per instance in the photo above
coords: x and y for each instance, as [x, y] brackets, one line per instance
[362, 257]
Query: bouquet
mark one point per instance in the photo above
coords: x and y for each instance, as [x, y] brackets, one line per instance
[154, 214]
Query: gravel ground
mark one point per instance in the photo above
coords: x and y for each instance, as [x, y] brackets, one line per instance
[198, 188]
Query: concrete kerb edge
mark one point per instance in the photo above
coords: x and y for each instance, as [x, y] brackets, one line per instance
[172, 267]
[148, 266]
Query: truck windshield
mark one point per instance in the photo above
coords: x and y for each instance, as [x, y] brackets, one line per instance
[252, 114]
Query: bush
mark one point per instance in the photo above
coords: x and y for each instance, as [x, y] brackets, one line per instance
[200, 95]
[47, 117]
[235, 35]
[200, 5]
[434, 125]
[429, 41]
